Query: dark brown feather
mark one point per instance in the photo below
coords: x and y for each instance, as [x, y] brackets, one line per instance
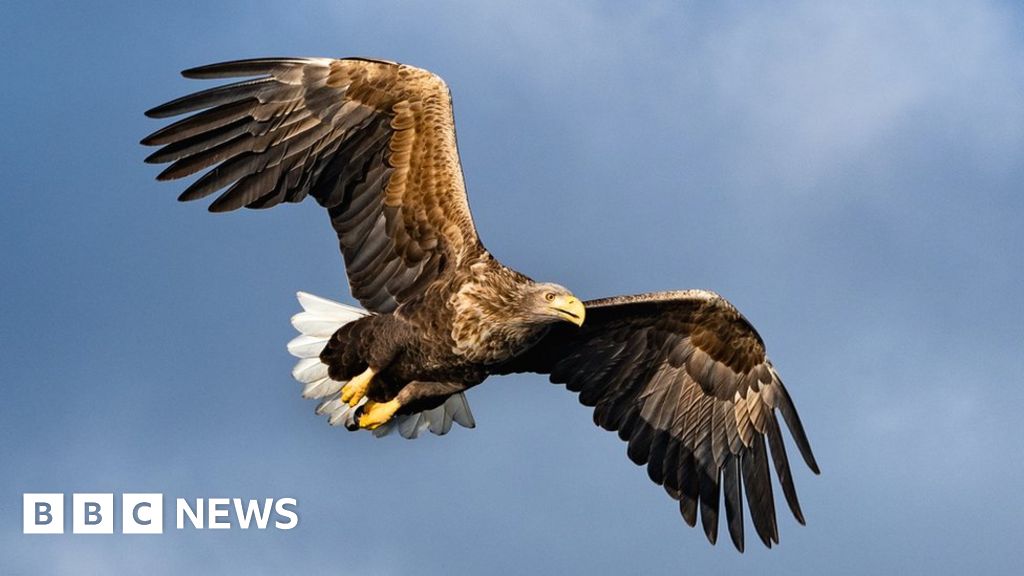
[684, 379]
[372, 141]
[733, 501]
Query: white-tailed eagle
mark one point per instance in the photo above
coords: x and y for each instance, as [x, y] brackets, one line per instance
[681, 376]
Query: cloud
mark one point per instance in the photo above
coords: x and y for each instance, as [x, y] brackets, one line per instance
[814, 88]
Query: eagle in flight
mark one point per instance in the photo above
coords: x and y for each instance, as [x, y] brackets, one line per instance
[681, 376]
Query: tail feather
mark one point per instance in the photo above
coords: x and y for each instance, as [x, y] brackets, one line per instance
[437, 420]
[309, 370]
[330, 309]
[338, 413]
[319, 320]
[459, 408]
[321, 388]
[442, 424]
[304, 346]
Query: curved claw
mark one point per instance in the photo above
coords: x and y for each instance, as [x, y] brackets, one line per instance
[353, 423]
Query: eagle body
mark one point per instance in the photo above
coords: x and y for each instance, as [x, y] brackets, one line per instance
[455, 336]
[682, 377]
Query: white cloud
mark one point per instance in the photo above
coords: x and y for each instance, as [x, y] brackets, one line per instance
[816, 87]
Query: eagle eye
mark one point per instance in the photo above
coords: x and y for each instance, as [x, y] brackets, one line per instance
[549, 296]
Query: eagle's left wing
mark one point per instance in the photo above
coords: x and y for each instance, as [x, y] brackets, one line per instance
[683, 377]
[372, 141]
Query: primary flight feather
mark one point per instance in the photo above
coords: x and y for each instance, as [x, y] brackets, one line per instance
[681, 376]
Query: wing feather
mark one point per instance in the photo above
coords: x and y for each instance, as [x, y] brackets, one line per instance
[759, 491]
[689, 488]
[684, 379]
[371, 141]
[733, 501]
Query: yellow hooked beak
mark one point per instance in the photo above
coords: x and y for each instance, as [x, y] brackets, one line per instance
[568, 308]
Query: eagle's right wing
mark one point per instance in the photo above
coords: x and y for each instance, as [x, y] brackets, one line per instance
[683, 378]
[373, 142]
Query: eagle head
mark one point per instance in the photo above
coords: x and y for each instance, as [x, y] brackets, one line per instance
[547, 303]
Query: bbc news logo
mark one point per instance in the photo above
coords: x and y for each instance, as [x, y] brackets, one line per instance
[93, 513]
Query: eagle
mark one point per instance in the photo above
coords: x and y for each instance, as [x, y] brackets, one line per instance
[682, 376]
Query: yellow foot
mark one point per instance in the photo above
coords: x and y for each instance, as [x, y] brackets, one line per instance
[375, 414]
[356, 388]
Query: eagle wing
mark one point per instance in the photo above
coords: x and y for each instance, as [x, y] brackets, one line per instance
[684, 379]
[371, 141]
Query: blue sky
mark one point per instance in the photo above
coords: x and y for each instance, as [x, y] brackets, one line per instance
[849, 176]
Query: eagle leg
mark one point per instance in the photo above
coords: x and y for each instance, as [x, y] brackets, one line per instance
[356, 388]
[372, 415]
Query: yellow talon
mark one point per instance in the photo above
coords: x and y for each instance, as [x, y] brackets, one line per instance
[356, 388]
[375, 414]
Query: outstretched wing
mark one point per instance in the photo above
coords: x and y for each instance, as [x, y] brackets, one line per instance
[683, 378]
[373, 142]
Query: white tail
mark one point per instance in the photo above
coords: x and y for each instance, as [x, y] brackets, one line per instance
[319, 320]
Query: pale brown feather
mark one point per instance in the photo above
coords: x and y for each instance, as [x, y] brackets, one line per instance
[372, 141]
